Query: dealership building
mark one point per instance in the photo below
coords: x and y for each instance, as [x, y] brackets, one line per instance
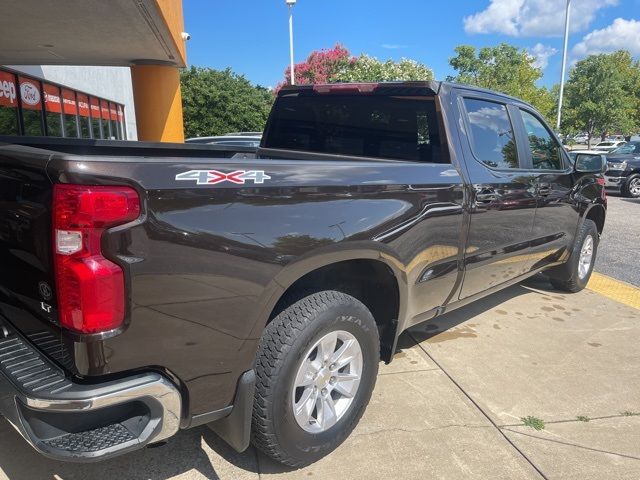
[67, 101]
[111, 73]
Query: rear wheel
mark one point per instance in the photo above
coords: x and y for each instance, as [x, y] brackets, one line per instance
[574, 275]
[316, 368]
[631, 187]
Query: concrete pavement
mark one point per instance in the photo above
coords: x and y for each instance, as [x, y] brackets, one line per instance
[451, 403]
[619, 249]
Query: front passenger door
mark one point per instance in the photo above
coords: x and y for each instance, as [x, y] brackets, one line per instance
[556, 218]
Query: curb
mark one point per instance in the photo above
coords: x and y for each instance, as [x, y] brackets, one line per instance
[615, 289]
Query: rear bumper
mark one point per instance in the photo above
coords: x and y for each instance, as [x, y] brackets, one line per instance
[69, 421]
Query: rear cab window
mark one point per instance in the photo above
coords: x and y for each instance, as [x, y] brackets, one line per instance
[397, 127]
[491, 133]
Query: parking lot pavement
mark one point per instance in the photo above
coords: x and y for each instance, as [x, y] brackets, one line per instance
[451, 404]
[569, 360]
[619, 249]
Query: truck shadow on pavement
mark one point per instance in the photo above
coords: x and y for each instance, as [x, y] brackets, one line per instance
[199, 449]
[190, 451]
[444, 324]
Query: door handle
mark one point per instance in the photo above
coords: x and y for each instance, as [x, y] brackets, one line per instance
[486, 197]
[544, 190]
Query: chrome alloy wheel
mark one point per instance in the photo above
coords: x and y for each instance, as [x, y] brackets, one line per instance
[326, 382]
[586, 256]
[634, 187]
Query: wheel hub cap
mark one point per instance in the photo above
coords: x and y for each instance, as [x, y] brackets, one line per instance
[586, 255]
[324, 376]
[634, 187]
[327, 381]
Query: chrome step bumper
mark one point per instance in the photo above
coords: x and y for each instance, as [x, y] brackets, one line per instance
[77, 422]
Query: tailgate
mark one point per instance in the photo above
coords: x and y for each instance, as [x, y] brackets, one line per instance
[27, 297]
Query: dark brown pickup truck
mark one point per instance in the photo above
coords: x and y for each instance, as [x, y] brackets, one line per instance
[146, 289]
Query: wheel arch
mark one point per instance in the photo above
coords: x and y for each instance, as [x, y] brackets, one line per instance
[597, 214]
[375, 278]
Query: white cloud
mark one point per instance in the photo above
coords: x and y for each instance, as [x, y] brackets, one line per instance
[501, 16]
[393, 46]
[621, 34]
[529, 18]
[541, 54]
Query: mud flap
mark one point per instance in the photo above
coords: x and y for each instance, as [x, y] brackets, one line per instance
[235, 429]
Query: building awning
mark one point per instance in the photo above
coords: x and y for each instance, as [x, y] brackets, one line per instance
[91, 32]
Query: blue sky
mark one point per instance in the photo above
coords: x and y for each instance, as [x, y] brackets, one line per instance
[251, 36]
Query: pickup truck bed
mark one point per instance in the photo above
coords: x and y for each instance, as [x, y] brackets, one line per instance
[183, 286]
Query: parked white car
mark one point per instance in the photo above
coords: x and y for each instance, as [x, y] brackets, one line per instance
[608, 146]
[581, 138]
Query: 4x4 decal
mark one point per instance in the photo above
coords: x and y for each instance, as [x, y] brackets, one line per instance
[211, 177]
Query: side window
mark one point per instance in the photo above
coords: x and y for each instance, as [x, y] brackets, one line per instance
[492, 138]
[545, 149]
[53, 110]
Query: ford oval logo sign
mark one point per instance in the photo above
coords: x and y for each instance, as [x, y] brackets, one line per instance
[29, 93]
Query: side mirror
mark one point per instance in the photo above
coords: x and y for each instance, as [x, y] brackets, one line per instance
[586, 163]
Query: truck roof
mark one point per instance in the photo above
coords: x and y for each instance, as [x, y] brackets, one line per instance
[431, 87]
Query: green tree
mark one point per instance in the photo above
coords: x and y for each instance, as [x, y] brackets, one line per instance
[338, 65]
[630, 72]
[369, 69]
[546, 102]
[8, 121]
[503, 68]
[602, 95]
[215, 102]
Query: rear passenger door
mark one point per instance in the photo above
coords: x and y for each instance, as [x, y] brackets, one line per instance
[556, 218]
[502, 196]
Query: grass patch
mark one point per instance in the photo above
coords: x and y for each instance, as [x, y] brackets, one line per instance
[582, 418]
[533, 422]
[627, 413]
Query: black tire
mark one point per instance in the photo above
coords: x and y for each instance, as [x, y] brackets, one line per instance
[566, 277]
[630, 187]
[286, 339]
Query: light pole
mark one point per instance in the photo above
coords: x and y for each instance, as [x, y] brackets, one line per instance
[564, 61]
[290, 4]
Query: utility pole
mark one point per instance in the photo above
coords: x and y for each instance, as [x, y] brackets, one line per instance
[290, 4]
[564, 62]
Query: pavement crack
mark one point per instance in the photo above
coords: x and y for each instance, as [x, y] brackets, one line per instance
[418, 430]
[576, 445]
[569, 420]
[409, 371]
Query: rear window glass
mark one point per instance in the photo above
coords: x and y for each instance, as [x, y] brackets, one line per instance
[393, 127]
[492, 138]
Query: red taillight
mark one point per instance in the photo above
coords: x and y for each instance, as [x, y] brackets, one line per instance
[345, 88]
[601, 181]
[90, 288]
